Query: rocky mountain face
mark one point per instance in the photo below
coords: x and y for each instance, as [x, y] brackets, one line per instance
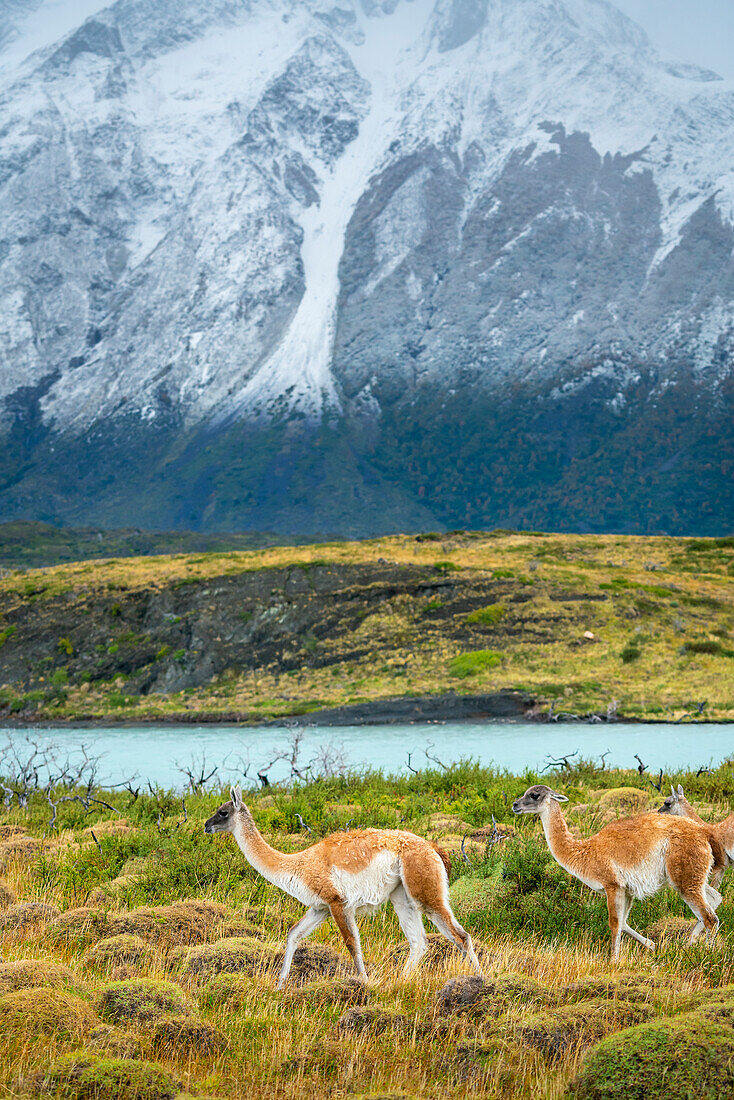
[371, 265]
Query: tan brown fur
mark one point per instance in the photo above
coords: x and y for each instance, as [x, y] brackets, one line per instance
[351, 871]
[633, 857]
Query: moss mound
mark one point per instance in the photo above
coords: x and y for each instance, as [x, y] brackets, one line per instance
[315, 960]
[183, 923]
[240, 954]
[27, 914]
[41, 1011]
[630, 987]
[141, 999]
[377, 1020]
[27, 973]
[477, 996]
[19, 849]
[685, 1057]
[184, 1035]
[555, 1032]
[439, 952]
[78, 926]
[671, 928]
[227, 989]
[113, 1041]
[624, 800]
[91, 1077]
[331, 991]
[117, 950]
[7, 897]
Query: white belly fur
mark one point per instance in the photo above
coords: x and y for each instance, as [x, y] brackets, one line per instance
[371, 887]
[647, 877]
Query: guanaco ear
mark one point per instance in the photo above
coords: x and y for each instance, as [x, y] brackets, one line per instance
[680, 791]
[558, 797]
[236, 796]
[672, 791]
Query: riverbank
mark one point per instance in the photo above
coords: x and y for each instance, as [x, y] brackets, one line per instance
[396, 629]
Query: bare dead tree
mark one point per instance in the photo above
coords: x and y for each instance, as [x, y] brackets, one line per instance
[464, 856]
[603, 759]
[410, 766]
[199, 772]
[641, 768]
[562, 761]
[430, 756]
[303, 824]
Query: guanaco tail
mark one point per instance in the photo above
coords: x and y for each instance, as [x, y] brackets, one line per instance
[352, 872]
[634, 857]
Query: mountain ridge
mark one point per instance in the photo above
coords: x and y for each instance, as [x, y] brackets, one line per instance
[303, 245]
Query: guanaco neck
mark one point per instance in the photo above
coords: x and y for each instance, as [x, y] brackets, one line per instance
[269, 862]
[563, 847]
[689, 812]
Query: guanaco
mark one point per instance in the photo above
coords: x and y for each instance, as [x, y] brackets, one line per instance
[352, 872]
[634, 857]
[677, 804]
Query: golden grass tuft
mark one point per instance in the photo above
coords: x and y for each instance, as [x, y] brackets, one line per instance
[365, 1018]
[624, 800]
[39, 1011]
[141, 999]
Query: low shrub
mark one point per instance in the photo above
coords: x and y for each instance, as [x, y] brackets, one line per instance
[141, 999]
[469, 664]
[487, 616]
[686, 1056]
[81, 1076]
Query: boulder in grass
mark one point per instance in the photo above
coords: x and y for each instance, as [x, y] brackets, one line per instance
[27, 973]
[685, 1056]
[187, 1035]
[140, 1000]
[83, 1076]
[40, 1011]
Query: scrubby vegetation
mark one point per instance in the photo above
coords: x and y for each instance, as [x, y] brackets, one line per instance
[640, 627]
[166, 988]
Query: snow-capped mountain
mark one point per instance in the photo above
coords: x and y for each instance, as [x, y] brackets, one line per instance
[362, 265]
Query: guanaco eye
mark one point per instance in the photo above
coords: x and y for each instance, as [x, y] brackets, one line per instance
[534, 795]
[222, 813]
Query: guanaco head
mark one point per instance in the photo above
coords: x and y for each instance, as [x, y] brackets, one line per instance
[228, 814]
[535, 798]
[672, 804]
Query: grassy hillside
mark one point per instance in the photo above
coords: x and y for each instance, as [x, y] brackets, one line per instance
[26, 545]
[642, 627]
[113, 896]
